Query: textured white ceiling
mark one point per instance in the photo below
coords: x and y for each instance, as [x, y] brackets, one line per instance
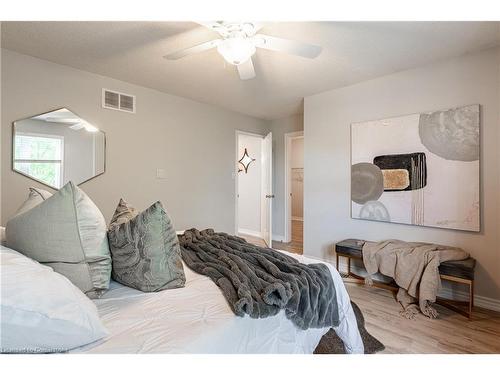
[352, 52]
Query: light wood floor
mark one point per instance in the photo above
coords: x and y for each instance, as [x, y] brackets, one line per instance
[449, 333]
[297, 244]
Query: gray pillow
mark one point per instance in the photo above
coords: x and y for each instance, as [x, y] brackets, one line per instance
[67, 232]
[144, 249]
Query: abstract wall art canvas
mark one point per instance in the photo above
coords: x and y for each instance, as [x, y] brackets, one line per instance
[420, 169]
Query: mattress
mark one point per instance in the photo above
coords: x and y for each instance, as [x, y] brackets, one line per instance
[197, 319]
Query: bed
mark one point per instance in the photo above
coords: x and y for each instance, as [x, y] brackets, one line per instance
[197, 319]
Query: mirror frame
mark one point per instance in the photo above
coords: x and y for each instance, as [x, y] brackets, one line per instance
[41, 182]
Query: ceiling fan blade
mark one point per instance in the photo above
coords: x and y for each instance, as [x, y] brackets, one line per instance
[212, 25]
[224, 28]
[195, 49]
[77, 126]
[257, 26]
[60, 120]
[246, 70]
[292, 47]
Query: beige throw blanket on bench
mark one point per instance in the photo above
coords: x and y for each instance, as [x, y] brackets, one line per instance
[414, 268]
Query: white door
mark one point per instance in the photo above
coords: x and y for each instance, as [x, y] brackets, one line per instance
[267, 187]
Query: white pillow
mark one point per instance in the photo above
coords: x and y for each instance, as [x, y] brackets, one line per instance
[41, 310]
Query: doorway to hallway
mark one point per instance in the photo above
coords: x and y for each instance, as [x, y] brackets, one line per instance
[294, 193]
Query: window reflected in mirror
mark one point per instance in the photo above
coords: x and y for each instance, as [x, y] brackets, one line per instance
[56, 147]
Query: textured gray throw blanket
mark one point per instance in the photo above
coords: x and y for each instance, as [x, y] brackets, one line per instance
[260, 281]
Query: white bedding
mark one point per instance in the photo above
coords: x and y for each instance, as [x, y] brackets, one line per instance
[197, 319]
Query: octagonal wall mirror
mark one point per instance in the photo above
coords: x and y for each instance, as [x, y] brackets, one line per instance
[56, 147]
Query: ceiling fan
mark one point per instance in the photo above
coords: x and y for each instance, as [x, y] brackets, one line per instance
[74, 124]
[238, 44]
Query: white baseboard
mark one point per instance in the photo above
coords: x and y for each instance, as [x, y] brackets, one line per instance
[297, 218]
[480, 301]
[487, 303]
[249, 232]
[445, 292]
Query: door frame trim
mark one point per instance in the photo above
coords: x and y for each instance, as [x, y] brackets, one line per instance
[270, 191]
[287, 207]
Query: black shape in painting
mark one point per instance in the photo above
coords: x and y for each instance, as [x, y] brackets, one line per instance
[414, 163]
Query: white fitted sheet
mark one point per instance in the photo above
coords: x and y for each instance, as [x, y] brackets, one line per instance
[197, 319]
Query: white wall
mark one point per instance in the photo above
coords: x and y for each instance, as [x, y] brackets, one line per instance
[250, 186]
[193, 142]
[297, 155]
[1, 142]
[471, 79]
[279, 128]
[297, 177]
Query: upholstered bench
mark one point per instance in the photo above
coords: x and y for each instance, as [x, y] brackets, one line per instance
[461, 271]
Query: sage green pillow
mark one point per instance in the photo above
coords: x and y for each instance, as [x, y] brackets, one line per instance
[67, 232]
[144, 249]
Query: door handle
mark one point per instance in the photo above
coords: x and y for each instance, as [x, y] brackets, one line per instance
[270, 196]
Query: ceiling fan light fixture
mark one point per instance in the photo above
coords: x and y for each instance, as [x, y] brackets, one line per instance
[238, 41]
[236, 50]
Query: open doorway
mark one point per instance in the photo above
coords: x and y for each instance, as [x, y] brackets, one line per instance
[253, 184]
[294, 193]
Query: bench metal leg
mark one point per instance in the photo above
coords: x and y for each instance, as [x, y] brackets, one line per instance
[468, 304]
[471, 298]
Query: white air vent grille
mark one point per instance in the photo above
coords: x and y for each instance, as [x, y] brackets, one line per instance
[118, 101]
[111, 99]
